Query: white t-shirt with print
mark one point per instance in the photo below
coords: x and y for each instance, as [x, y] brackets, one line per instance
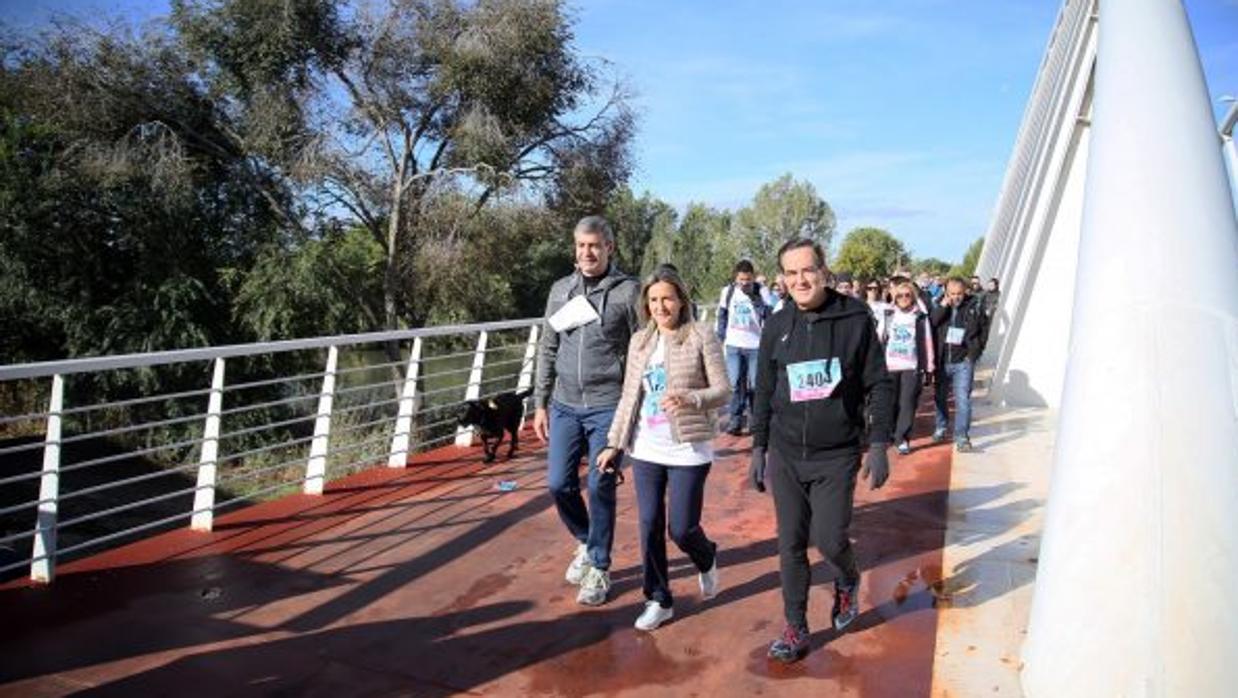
[901, 345]
[653, 441]
[743, 325]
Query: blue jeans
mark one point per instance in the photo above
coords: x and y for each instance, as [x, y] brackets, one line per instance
[741, 369]
[958, 378]
[686, 487]
[572, 431]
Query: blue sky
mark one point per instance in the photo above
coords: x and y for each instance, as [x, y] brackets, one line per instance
[902, 113]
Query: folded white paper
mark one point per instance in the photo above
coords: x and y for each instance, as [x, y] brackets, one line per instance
[576, 312]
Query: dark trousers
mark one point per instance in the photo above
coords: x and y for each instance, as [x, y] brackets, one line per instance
[686, 486]
[575, 433]
[812, 501]
[907, 386]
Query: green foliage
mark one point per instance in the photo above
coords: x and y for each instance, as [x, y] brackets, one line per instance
[495, 265]
[970, 259]
[702, 234]
[382, 109]
[664, 228]
[931, 266]
[869, 253]
[781, 210]
[112, 237]
[326, 285]
[635, 223]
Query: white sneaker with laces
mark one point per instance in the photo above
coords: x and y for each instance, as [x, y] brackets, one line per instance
[709, 581]
[594, 587]
[653, 616]
[580, 565]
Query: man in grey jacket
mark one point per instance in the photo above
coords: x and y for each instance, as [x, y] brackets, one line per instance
[590, 316]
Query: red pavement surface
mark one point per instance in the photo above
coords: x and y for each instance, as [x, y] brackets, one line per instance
[428, 581]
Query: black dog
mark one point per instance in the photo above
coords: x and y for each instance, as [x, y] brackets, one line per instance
[492, 417]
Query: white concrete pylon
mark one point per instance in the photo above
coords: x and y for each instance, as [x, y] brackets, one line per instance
[1134, 593]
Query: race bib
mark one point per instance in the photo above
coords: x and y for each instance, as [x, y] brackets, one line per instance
[655, 387]
[814, 380]
[954, 335]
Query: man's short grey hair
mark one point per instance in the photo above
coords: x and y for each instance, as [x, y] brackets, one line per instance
[596, 225]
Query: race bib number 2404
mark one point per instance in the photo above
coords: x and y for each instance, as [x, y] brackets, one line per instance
[814, 380]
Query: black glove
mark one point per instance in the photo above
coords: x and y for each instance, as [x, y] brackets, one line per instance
[876, 465]
[756, 468]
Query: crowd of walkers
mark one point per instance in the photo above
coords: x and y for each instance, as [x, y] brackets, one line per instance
[823, 371]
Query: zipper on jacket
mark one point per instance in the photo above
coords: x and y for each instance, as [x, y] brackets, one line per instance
[580, 363]
[804, 421]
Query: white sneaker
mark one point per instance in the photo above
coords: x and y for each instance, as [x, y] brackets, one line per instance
[580, 565]
[653, 616]
[593, 587]
[709, 581]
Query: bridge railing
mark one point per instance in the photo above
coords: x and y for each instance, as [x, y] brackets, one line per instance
[84, 472]
[117, 447]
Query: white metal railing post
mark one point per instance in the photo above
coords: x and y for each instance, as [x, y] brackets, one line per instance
[464, 435]
[204, 496]
[402, 435]
[316, 468]
[526, 367]
[43, 559]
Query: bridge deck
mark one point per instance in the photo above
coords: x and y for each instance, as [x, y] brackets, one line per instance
[429, 581]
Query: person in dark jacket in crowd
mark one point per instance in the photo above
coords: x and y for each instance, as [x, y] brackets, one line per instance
[990, 299]
[818, 363]
[960, 327]
[590, 317]
[992, 295]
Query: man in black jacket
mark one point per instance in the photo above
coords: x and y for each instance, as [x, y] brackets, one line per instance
[819, 359]
[960, 328]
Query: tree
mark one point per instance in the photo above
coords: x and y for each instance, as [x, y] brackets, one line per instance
[781, 210]
[662, 239]
[931, 266]
[326, 285]
[971, 258]
[869, 253]
[701, 232]
[115, 230]
[379, 111]
[635, 221]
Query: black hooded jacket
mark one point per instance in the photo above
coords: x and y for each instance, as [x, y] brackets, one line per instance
[841, 328]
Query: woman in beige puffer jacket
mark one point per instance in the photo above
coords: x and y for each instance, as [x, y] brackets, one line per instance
[674, 381]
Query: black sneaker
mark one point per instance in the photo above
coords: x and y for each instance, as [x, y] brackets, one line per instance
[846, 604]
[791, 646]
